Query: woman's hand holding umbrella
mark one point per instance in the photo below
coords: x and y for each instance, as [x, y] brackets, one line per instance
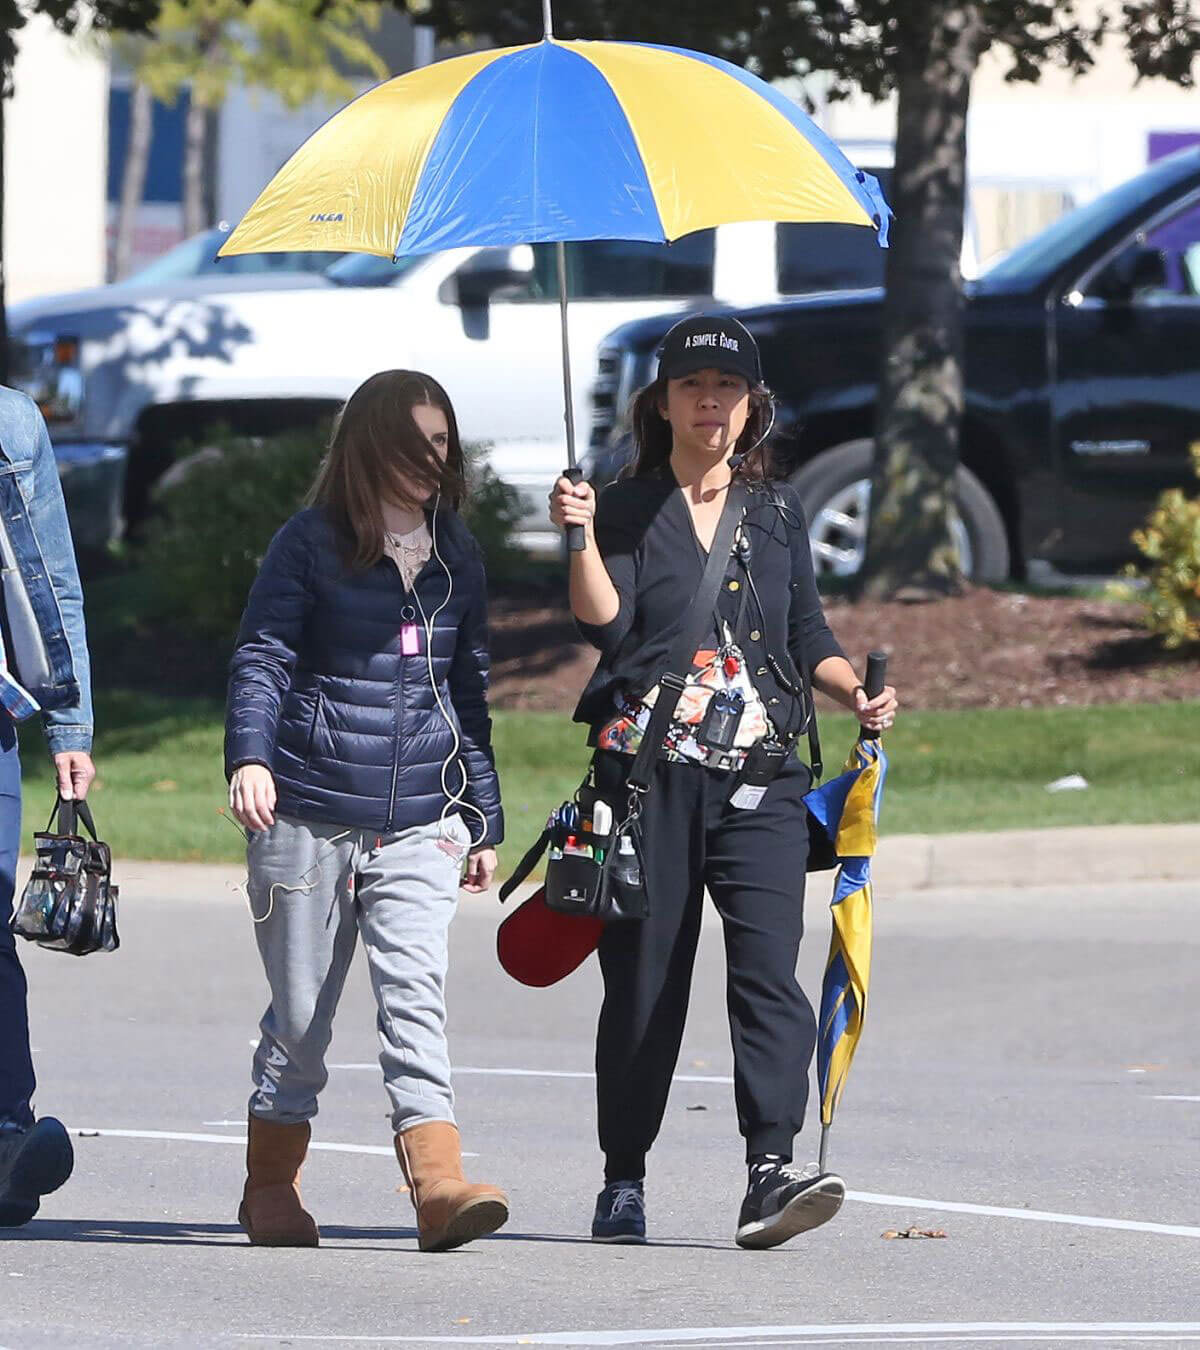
[875, 714]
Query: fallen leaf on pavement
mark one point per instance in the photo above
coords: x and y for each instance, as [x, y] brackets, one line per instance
[915, 1233]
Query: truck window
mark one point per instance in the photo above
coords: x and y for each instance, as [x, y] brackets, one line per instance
[1175, 237]
[1178, 240]
[623, 269]
[812, 257]
[820, 257]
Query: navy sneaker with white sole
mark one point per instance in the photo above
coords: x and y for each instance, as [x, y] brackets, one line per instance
[620, 1213]
[33, 1163]
[782, 1201]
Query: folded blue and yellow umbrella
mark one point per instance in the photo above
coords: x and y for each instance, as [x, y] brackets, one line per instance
[556, 141]
[847, 808]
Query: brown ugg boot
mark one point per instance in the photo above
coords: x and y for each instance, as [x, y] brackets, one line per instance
[450, 1211]
[271, 1212]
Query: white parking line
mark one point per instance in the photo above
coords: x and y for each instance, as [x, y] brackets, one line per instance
[852, 1333]
[901, 1202]
[545, 1073]
[1176, 1099]
[1033, 1215]
[90, 1131]
[1102, 1338]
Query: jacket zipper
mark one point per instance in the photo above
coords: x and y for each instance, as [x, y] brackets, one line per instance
[399, 704]
[405, 594]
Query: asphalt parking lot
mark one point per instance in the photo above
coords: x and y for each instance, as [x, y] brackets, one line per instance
[1029, 1085]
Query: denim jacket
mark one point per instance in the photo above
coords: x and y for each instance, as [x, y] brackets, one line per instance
[35, 519]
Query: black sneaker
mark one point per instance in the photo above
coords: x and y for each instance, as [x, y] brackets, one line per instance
[782, 1201]
[620, 1213]
[33, 1163]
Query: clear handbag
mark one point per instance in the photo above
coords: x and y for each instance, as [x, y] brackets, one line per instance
[69, 903]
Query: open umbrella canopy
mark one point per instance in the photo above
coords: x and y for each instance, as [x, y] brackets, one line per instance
[556, 141]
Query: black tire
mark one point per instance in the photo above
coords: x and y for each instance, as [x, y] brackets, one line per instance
[821, 480]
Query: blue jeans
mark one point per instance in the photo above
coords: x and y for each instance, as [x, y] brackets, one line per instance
[16, 1065]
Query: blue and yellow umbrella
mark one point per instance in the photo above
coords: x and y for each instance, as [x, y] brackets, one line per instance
[847, 807]
[556, 141]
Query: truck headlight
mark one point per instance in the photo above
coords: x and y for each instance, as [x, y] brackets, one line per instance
[46, 367]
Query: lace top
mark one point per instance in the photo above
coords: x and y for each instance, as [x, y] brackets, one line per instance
[410, 552]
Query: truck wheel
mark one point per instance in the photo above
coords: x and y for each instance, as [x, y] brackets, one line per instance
[835, 489]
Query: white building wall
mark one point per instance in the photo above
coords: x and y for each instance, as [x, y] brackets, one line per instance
[56, 152]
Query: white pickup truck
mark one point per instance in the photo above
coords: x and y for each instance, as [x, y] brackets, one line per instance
[127, 374]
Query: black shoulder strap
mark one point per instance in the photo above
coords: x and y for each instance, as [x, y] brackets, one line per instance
[673, 679]
[810, 713]
[809, 704]
[804, 694]
[525, 866]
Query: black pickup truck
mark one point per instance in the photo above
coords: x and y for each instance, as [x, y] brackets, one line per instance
[1082, 387]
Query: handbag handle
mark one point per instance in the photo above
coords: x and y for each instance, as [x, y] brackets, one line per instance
[68, 811]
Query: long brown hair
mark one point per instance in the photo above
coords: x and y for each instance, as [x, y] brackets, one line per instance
[652, 437]
[378, 451]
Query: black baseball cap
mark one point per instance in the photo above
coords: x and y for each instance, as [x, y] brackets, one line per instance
[709, 342]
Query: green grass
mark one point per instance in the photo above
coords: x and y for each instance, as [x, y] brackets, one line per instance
[161, 787]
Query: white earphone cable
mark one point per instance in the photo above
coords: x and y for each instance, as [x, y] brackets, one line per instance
[455, 800]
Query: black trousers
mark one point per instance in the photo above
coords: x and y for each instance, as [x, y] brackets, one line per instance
[753, 864]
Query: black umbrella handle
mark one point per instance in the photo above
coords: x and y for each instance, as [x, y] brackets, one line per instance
[874, 682]
[576, 534]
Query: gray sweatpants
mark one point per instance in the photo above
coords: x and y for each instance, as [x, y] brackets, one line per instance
[313, 888]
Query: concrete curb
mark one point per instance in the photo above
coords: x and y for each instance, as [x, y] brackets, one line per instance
[907, 862]
[1078, 854]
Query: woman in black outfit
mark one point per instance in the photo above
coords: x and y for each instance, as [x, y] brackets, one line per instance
[700, 432]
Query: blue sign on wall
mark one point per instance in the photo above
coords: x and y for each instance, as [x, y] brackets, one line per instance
[164, 171]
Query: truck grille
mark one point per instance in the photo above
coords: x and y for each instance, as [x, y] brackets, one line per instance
[606, 396]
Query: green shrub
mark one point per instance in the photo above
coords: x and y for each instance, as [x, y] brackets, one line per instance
[493, 511]
[1170, 544]
[220, 506]
[218, 509]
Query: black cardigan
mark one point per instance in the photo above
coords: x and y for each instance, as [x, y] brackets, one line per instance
[645, 534]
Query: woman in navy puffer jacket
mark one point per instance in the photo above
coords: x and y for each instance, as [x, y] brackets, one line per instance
[358, 748]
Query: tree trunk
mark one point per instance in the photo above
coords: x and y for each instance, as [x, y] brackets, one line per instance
[195, 161]
[909, 549]
[133, 179]
[4, 95]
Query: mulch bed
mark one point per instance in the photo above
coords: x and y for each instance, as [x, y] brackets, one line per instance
[982, 649]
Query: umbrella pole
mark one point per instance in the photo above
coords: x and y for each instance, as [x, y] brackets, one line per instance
[560, 251]
[824, 1150]
[576, 537]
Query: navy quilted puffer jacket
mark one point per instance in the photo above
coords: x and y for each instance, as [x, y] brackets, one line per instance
[320, 693]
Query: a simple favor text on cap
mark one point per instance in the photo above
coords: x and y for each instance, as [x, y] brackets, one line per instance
[711, 340]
